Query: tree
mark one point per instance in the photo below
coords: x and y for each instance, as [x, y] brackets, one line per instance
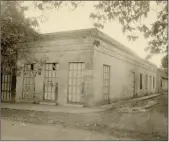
[131, 15]
[15, 28]
[164, 62]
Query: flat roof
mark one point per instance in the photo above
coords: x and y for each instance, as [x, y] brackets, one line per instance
[93, 32]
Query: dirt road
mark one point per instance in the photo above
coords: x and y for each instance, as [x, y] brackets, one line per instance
[12, 130]
[151, 124]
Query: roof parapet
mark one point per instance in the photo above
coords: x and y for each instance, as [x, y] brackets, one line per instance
[90, 33]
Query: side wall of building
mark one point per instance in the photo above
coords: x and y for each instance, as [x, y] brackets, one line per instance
[162, 83]
[62, 52]
[121, 68]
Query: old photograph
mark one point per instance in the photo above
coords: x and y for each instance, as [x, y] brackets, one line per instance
[84, 70]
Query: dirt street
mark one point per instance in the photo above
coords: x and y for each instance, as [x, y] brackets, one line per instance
[131, 121]
[12, 130]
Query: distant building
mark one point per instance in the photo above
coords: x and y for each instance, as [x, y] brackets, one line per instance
[83, 67]
[162, 83]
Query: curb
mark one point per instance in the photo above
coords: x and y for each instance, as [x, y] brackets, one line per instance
[114, 105]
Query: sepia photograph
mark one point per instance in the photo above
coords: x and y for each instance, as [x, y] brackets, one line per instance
[84, 70]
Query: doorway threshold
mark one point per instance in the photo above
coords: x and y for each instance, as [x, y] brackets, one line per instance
[48, 103]
[74, 105]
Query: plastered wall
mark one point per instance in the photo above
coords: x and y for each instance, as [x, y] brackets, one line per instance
[62, 52]
[162, 82]
[122, 67]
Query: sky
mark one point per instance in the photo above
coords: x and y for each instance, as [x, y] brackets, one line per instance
[64, 19]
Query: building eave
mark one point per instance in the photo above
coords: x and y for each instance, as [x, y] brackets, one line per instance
[90, 33]
[122, 47]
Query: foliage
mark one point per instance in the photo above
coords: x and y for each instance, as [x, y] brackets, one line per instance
[131, 15]
[30, 58]
[15, 28]
[164, 62]
[71, 5]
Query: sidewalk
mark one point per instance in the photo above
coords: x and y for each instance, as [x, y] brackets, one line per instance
[66, 109]
[113, 105]
[42, 107]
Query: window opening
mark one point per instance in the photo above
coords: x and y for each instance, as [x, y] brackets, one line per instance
[54, 66]
[141, 81]
[32, 67]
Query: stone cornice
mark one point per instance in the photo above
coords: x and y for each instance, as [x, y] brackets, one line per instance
[89, 34]
[120, 46]
[76, 34]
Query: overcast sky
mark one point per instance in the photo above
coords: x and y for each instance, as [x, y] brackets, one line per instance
[64, 20]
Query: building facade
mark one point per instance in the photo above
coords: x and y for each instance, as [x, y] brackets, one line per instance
[82, 67]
